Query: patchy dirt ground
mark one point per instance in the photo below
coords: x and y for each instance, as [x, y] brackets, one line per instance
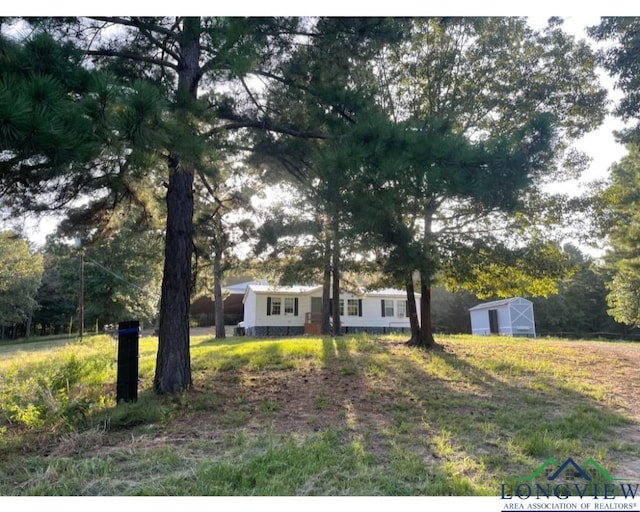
[297, 401]
[624, 361]
[354, 399]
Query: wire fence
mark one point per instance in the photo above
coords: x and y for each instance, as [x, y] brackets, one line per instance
[600, 336]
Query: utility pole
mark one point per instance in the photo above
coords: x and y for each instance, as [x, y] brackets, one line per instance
[81, 294]
[78, 243]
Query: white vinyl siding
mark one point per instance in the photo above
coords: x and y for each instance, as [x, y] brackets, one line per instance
[514, 317]
[358, 311]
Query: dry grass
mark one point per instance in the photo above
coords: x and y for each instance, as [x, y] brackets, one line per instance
[353, 415]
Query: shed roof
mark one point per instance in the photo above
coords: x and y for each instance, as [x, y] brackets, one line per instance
[498, 303]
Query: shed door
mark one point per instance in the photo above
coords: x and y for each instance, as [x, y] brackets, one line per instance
[493, 321]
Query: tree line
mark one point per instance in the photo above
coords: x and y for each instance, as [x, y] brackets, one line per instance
[417, 150]
[40, 291]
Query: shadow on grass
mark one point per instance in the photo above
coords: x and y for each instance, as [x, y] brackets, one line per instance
[474, 420]
[478, 420]
[355, 415]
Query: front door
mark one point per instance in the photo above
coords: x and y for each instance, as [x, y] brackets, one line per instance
[316, 304]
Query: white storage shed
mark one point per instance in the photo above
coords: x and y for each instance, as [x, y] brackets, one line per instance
[510, 317]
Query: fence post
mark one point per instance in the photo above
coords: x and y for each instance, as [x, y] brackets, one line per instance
[128, 341]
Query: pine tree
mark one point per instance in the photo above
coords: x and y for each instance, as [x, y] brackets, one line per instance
[474, 115]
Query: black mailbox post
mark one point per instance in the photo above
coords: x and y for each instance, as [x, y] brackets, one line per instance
[128, 341]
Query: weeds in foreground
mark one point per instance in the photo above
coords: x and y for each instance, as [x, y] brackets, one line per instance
[308, 416]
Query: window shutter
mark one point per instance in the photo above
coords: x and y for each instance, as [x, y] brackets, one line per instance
[406, 308]
[382, 305]
[268, 306]
[359, 307]
[295, 306]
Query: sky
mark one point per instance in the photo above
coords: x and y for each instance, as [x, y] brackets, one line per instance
[600, 145]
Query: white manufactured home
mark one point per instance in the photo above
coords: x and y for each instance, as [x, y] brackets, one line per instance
[293, 310]
[510, 317]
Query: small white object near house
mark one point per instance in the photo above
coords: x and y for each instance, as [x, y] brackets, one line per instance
[510, 317]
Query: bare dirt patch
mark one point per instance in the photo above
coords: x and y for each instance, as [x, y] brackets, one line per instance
[622, 378]
[374, 410]
[296, 402]
[619, 372]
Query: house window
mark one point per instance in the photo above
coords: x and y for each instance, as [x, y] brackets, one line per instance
[276, 304]
[288, 305]
[352, 307]
[387, 307]
[402, 308]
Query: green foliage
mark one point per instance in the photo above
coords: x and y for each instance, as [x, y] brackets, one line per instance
[580, 306]
[28, 415]
[44, 128]
[624, 296]
[450, 161]
[20, 276]
[312, 230]
[620, 58]
[122, 272]
[424, 134]
[449, 310]
[58, 391]
[493, 270]
[621, 197]
[620, 217]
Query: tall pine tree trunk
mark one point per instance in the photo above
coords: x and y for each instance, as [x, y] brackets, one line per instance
[173, 362]
[218, 303]
[325, 327]
[426, 335]
[412, 311]
[335, 259]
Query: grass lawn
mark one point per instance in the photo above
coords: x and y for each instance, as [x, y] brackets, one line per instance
[356, 415]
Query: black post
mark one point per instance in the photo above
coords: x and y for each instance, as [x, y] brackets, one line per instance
[127, 385]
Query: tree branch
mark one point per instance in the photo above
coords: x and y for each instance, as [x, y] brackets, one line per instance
[131, 56]
[134, 22]
[265, 124]
[211, 191]
[291, 83]
[160, 44]
[251, 96]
